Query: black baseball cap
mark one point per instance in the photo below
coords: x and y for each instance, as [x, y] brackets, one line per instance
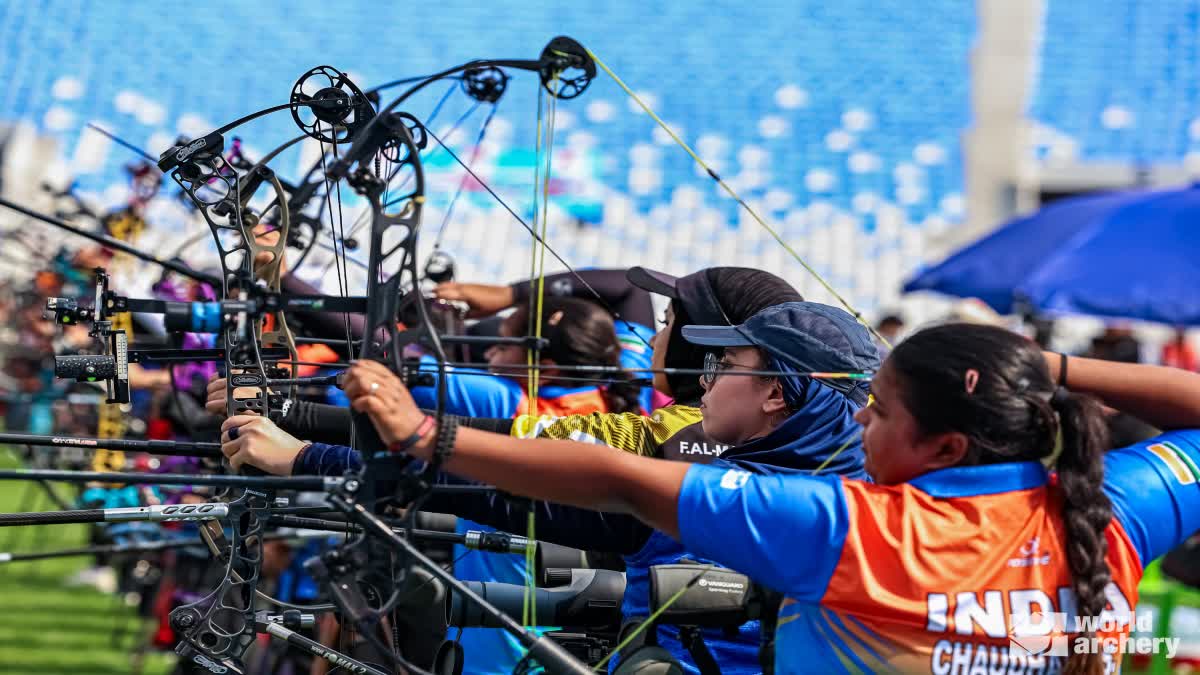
[714, 296]
[694, 291]
[806, 336]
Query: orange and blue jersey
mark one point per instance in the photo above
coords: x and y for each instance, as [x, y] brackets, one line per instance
[949, 573]
[473, 392]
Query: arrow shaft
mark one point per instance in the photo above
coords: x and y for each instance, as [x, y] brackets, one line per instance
[314, 483]
[115, 244]
[172, 448]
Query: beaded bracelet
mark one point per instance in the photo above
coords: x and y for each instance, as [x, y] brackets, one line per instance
[447, 431]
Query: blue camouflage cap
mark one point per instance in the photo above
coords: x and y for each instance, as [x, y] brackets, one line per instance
[805, 337]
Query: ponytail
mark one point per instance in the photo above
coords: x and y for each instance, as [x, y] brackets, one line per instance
[1087, 511]
[622, 395]
[1012, 412]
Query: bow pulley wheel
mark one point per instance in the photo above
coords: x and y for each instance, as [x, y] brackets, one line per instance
[567, 70]
[328, 107]
[486, 84]
[396, 150]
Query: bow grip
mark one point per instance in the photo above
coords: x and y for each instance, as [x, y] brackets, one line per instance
[85, 367]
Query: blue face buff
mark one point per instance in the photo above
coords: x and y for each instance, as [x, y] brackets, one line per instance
[794, 386]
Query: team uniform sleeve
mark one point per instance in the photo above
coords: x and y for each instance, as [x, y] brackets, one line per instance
[785, 532]
[470, 392]
[323, 459]
[1155, 490]
[623, 431]
[317, 422]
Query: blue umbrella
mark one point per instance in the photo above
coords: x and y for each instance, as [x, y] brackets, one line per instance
[1129, 255]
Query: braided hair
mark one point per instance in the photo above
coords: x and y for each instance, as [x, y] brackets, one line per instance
[1013, 413]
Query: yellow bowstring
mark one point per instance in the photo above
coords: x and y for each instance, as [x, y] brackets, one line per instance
[529, 602]
[534, 323]
[737, 198]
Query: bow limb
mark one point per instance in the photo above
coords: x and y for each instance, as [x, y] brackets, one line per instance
[274, 330]
[393, 282]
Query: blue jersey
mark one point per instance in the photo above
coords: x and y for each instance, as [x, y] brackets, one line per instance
[936, 575]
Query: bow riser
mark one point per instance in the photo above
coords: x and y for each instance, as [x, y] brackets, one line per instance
[219, 194]
[218, 628]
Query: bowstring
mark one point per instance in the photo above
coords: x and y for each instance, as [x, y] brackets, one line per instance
[532, 355]
[738, 199]
[345, 254]
[343, 275]
[531, 537]
[365, 219]
[462, 183]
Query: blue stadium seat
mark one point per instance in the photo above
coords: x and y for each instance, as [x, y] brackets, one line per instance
[765, 84]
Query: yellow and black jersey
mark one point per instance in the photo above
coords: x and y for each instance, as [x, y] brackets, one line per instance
[672, 432]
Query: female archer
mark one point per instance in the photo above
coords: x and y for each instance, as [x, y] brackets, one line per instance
[579, 333]
[964, 541]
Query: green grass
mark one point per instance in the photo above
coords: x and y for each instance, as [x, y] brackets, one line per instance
[47, 628]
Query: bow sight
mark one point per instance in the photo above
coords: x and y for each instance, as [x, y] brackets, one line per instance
[112, 365]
